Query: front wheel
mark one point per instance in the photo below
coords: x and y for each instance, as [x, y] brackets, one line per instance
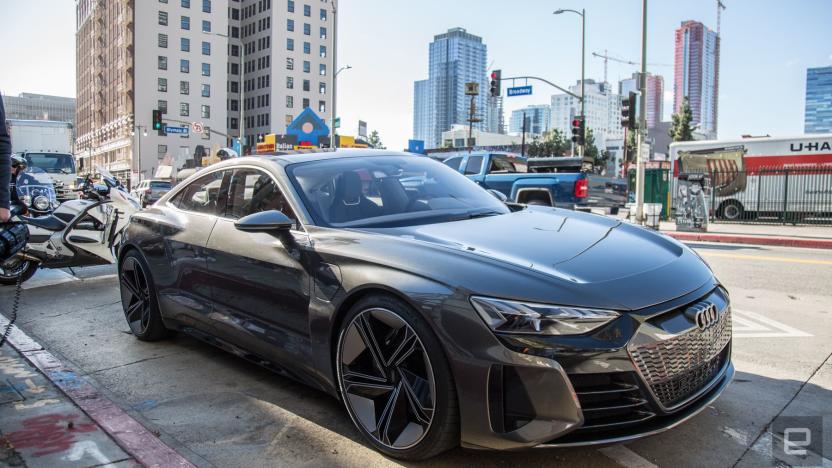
[15, 268]
[395, 381]
[138, 299]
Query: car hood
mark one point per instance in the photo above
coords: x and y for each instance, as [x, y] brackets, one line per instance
[629, 265]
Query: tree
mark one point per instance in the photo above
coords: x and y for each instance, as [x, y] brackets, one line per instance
[599, 157]
[553, 143]
[375, 140]
[680, 129]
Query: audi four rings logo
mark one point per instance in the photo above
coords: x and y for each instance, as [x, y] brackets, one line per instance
[703, 314]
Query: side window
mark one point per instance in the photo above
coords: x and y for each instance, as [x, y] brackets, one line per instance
[474, 165]
[203, 195]
[501, 164]
[453, 163]
[252, 191]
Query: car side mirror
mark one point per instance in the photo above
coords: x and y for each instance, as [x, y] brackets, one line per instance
[498, 195]
[265, 221]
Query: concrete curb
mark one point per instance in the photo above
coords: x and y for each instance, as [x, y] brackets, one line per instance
[755, 240]
[145, 447]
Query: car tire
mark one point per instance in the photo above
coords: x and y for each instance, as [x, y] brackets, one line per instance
[413, 378]
[138, 298]
[731, 211]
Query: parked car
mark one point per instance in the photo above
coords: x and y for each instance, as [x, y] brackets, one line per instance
[437, 314]
[150, 191]
[542, 181]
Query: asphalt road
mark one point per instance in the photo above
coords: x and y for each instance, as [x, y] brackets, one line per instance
[219, 410]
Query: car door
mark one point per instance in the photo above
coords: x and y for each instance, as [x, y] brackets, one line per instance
[473, 168]
[259, 281]
[181, 273]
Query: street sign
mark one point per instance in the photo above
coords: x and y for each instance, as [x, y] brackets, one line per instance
[472, 88]
[337, 123]
[197, 127]
[179, 130]
[520, 91]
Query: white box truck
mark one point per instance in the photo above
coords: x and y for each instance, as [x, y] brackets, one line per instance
[47, 147]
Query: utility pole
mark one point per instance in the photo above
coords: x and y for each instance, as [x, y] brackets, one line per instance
[334, 72]
[642, 118]
[583, 80]
[472, 89]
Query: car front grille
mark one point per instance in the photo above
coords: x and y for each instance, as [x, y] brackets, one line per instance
[678, 367]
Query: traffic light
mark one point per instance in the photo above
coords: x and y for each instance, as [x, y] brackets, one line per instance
[628, 111]
[578, 130]
[157, 121]
[495, 83]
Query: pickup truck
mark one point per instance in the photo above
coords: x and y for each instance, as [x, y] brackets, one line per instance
[555, 181]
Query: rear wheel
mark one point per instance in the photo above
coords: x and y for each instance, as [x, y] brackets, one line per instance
[15, 268]
[138, 299]
[395, 381]
[731, 211]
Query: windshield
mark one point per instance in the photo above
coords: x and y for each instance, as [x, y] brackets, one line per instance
[388, 191]
[53, 163]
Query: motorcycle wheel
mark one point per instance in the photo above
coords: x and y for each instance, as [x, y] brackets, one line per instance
[13, 268]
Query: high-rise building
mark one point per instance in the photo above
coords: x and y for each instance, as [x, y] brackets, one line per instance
[421, 110]
[494, 115]
[28, 106]
[655, 93]
[603, 111]
[696, 75]
[538, 119]
[818, 116]
[136, 57]
[456, 57]
[288, 48]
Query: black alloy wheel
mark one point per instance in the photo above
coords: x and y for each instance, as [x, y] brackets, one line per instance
[138, 299]
[390, 382]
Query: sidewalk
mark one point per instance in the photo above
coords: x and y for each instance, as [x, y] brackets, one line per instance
[813, 237]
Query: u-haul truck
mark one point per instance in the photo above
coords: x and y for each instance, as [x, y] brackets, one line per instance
[749, 176]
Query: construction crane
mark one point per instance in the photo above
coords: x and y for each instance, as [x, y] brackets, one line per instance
[608, 57]
[719, 7]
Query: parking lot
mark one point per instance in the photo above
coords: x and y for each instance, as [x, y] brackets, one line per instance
[218, 410]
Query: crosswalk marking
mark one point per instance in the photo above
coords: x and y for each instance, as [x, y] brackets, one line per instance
[752, 325]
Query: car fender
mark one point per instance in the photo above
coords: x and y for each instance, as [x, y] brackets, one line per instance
[548, 185]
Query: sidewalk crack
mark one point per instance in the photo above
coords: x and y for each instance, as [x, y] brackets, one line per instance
[129, 363]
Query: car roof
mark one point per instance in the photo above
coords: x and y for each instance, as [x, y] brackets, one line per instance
[286, 159]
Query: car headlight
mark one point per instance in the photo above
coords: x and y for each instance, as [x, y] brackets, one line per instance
[542, 319]
[41, 203]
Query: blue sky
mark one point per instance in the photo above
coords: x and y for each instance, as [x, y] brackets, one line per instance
[766, 47]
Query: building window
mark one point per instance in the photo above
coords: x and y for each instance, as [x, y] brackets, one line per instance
[235, 123]
[235, 13]
[206, 90]
[307, 66]
[185, 44]
[321, 106]
[184, 109]
[291, 6]
[161, 150]
[307, 48]
[163, 41]
[163, 1]
[235, 31]
[163, 18]
[321, 88]
[186, 3]
[322, 69]
[205, 111]
[290, 44]
[306, 85]
[307, 29]
[290, 102]
[290, 63]
[163, 62]
[235, 86]
[162, 105]
[184, 66]
[290, 82]
[323, 33]
[162, 85]
[235, 51]
[323, 14]
[290, 25]
[305, 103]
[206, 26]
[307, 10]
[323, 51]
[235, 105]
[235, 69]
[186, 22]
[184, 87]
[206, 6]
[206, 48]
[206, 69]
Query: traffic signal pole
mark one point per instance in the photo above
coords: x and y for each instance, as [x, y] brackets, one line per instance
[583, 79]
[642, 119]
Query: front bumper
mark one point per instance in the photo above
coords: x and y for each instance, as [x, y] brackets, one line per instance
[644, 373]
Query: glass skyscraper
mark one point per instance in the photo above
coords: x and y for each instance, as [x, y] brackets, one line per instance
[456, 57]
[696, 74]
[818, 117]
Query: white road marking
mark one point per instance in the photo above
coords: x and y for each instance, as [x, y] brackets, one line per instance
[739, 436]
[626, 457]
[752, 325]
[48, 277]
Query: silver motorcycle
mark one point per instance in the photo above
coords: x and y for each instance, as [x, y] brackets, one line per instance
[80, 232]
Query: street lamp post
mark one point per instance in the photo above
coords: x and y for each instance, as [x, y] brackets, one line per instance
[143, 130]
[334, 97]
[582, 14]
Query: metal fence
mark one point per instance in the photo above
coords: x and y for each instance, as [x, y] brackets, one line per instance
[775, 196]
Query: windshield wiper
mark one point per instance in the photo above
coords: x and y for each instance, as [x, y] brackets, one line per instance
[476, 214]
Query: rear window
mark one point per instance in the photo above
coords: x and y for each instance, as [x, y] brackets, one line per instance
[160, 185]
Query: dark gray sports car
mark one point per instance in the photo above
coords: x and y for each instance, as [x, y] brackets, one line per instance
[439, 315]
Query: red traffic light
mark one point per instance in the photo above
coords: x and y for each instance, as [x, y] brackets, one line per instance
[576, 122]
[493, 75]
